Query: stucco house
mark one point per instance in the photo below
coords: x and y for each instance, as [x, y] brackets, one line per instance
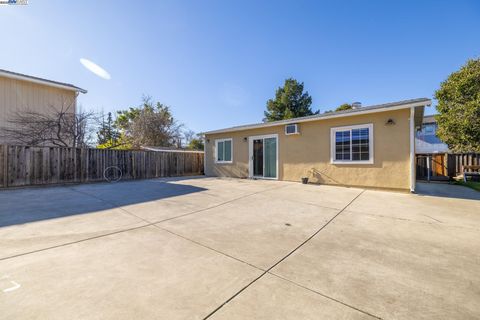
[371, 146]
[20, 92]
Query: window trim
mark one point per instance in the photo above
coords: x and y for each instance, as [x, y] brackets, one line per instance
[216, 150]
[344, 128]
[250, 155]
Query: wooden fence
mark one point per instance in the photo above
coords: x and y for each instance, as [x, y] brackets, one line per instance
[432, 167]
[456, 161]
[444, 166]
[24, 165]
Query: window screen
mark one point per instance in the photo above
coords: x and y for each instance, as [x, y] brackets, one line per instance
[352, 144]
[360, 144]
[342, 145]
[291, 129]
[224, 150]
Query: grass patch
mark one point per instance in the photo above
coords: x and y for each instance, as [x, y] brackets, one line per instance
[470, 184]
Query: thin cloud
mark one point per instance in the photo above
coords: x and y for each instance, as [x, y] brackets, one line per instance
[95, 69]
[234, 95]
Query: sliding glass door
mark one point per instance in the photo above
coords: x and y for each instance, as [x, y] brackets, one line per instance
[270, 158]
[263, 156]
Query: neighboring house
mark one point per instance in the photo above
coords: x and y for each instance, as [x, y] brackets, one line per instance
[426, 140]
[370, 146]
[431, 152]
[20, 92]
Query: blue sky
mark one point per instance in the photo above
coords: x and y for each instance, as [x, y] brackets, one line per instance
[217, 62]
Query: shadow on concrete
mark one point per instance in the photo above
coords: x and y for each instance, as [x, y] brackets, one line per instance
[445, 190]
[19, 206]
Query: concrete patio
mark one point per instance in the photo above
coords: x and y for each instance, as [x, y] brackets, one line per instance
[197, 248]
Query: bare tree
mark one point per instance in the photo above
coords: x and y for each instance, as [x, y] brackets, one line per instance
[58, 127]
[188, 136]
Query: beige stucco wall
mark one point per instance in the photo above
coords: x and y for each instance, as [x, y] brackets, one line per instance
[299, 154]
[19, 95]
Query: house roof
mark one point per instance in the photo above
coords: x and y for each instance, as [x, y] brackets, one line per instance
[21, 76]
[168, 149]
[404, 104]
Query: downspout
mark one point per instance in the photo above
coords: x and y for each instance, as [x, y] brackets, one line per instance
[75, 103]
[204, 155]
[75, 123]
[412, 149]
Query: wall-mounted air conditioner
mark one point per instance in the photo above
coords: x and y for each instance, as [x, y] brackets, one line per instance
[291, 129]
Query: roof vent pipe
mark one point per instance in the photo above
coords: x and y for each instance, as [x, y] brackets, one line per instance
[356, 105]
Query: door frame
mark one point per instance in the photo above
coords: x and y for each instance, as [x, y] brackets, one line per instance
[250, 156]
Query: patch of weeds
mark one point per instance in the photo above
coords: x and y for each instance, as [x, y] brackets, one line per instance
[470, 184]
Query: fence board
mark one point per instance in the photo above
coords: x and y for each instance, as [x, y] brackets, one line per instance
[3, 165]
[25, 165]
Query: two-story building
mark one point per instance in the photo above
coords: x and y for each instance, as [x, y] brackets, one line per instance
[430, 152]
[20, 92]
[426, 140]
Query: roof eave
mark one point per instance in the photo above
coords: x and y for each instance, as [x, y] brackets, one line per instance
[43, 82]
[323, 117]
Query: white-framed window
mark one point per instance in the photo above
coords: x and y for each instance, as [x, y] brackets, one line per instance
[352, 144]
[429, 129]
[223, 150]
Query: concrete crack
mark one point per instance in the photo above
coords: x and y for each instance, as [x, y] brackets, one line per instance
[285, 257]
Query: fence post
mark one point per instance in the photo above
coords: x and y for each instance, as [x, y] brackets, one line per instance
[428, 168]
[5, 166]
[87, 165]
